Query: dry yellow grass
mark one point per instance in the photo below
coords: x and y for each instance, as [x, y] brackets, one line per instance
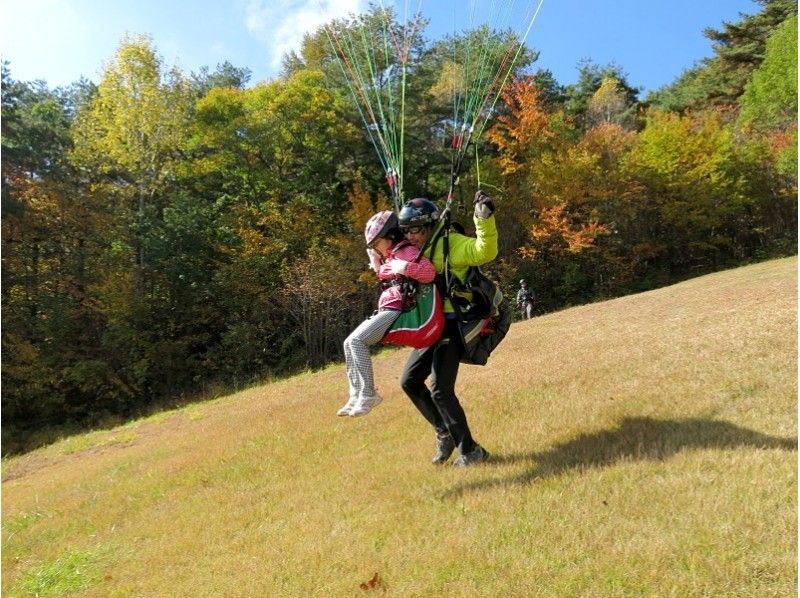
[641, 446]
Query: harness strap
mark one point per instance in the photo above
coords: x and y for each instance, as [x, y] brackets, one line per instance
[445, 280]
[409, 287]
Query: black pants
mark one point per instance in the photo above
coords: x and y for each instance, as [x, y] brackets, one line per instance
[439, 405]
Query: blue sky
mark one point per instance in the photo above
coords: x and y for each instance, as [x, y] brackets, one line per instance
[653, 41]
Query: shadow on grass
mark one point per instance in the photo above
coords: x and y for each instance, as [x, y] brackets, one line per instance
[634, 439]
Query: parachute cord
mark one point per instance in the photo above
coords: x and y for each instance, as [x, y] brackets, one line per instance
[477, 167]
[356, 84]
[511, 66]
[378, 90]
[375, 143]
[402, 132]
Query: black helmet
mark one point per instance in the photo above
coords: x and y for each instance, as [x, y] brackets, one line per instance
[418, 212]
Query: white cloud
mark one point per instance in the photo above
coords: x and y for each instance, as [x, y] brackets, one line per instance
[280, 24]
[217, 50]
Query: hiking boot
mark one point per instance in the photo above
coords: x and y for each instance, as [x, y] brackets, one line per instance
[348, 406]
[475, 456]
[445, 445]
[365, 405]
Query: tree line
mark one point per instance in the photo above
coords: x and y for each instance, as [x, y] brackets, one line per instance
[166, 235]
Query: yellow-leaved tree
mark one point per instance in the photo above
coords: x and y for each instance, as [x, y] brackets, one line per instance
[608, 104]
[127, 139]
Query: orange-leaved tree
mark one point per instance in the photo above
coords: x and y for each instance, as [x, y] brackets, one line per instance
[524, 134]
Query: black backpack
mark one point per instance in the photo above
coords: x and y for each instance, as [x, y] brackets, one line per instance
[484, 320]
[484, 314]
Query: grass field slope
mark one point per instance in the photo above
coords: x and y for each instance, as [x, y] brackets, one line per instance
[643, 446]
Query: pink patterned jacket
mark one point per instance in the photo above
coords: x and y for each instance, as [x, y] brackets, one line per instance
[423, 271]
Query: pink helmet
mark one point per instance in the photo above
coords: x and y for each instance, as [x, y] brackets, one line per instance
[379, 225]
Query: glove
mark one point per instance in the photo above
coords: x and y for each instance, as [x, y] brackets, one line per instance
[484, 206]
[399, 267]
[374, 259]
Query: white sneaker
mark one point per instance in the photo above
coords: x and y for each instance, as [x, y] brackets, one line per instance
[348, 406]
[365, 405]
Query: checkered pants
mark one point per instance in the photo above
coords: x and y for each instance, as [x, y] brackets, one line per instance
[356, 351]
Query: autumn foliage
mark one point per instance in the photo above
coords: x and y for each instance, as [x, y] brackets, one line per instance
[165, 235]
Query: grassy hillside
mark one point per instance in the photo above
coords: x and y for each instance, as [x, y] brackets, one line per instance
[642, 446]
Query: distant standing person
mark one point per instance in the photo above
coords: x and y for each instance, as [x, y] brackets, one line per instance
[525, 299]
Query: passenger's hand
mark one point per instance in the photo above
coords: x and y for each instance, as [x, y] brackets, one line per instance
[484, 206]
[399, 267]
[374, 259]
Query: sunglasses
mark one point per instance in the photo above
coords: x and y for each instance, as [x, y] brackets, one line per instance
[412, 230]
